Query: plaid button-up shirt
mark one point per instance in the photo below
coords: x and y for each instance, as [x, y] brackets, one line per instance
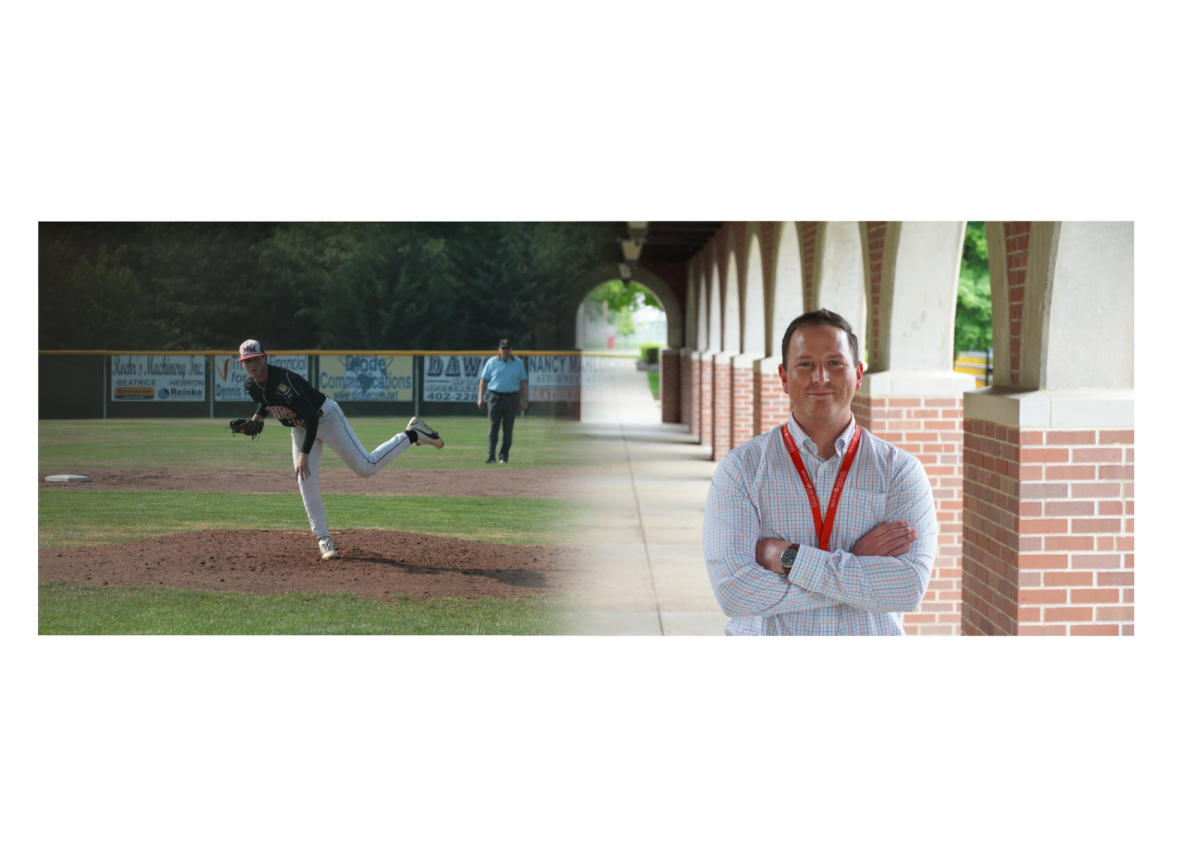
[757, 494]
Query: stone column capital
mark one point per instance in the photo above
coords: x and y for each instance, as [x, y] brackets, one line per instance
[924, 383]
[745, 361]
[1017, 406]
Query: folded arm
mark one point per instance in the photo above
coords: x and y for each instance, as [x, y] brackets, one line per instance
[732, 529]
[882, 584]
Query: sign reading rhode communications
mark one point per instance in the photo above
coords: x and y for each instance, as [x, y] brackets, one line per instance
[366, 377]
[157, 378]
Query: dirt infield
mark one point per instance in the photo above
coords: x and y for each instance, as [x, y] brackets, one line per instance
[373, 563]
[497, 481]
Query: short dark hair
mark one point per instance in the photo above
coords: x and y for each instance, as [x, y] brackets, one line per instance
[820, 318]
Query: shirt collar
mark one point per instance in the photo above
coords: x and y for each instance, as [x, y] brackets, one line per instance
[809, 445]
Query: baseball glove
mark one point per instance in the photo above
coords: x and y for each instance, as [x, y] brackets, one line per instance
[251, 428]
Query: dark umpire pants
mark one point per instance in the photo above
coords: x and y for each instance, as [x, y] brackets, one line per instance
[502, 407]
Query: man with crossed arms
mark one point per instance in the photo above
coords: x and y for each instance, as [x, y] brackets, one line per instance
[776, 570]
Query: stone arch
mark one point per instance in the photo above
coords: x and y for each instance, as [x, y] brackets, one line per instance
[754, 319]
[690, 311]
[1002, 373]
[840, 280]
[716, 329]
[653, 283]
[918, 296]
[787, 292]
[731, 325]
[1076, 303]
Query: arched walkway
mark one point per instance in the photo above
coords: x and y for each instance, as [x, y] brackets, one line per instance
[754, 321]
[662, 292]
[787, 296]
[840, 283]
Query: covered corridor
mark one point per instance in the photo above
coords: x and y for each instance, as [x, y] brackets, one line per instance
[647, 481]
[1033, 476]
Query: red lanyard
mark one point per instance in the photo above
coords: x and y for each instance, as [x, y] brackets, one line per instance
[825, 528]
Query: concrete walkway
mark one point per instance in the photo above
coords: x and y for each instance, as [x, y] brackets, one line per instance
[647, 483]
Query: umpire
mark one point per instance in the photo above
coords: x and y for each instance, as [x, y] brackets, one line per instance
[504, 378]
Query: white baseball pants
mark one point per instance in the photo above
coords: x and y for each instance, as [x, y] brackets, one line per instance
[336, 432]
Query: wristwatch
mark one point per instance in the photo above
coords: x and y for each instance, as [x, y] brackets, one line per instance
[788, 558]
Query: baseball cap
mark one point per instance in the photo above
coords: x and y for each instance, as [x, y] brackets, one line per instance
[504, 343]
[250, 348]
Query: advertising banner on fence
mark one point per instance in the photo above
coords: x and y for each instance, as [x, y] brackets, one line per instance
[229, 378]
[366, 378]
[599, 376]
[158, 378]
[553, 378]
[452, 378]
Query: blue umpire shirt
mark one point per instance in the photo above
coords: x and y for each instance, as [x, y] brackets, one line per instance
[504, 376]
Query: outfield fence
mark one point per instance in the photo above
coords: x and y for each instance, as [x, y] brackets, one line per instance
[209, 384]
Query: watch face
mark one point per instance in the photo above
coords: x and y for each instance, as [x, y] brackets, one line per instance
[788, 558]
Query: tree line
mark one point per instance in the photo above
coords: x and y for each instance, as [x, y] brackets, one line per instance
[384, 286]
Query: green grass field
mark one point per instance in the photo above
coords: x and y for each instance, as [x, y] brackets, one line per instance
[101, 517]
[208, 444]
[66, 608]
[67, 519]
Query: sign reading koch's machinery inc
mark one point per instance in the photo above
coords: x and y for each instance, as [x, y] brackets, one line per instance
[157, 378]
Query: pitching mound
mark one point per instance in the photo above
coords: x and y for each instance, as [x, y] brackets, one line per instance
[373, 563]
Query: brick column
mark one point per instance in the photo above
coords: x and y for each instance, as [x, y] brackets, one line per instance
[742, 396]
[705, 404]
[921, 412]
[771, 403]
[686, 388]
[1049, 514]
[722, 404]
[669, 384]
[694, 419]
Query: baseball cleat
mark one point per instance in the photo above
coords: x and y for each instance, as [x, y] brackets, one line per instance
[504, 459]
[328, 551]
[425, 435]
[490, 461]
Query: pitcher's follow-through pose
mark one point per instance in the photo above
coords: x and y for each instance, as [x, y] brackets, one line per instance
[316, 420]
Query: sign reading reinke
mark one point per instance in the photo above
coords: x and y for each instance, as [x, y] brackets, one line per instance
[366, 377]
[553, 378]
[158, 378]
[452, 378]
[229, 378]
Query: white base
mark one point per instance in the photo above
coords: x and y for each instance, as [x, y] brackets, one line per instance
[746, 361]
[925, 384]
[1012, 406]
